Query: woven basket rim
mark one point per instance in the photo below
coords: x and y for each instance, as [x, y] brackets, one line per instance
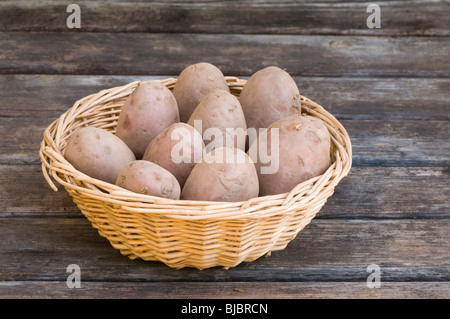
[56, 166]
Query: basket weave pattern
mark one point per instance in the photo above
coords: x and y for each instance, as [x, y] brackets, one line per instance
[182, 233]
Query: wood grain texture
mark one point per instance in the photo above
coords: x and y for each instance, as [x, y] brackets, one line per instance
[326, 250]
[399, 143]
[403, 18]
[224, 290]
[345, 97]
[159, 54]
[366, 193]
[25, 192]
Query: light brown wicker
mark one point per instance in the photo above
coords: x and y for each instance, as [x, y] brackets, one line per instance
[182, 233]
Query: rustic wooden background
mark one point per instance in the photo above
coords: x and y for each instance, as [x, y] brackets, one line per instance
[389, 87]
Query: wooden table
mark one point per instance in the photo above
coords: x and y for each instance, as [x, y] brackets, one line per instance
[389, 87]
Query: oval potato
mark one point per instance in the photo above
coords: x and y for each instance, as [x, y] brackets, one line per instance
[220, 112]
[194, 83]
[150, 179]
[178, 148]
[269, 95]
[97, 153]
[224, 174]
[149, 109]
[299, 151]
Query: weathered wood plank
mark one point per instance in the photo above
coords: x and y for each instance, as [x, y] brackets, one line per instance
[374, 142]
[160, 54]
[21, 139]
[391, 192]
[367, 192]
[380, 98]
[25, 192]
[399, 142]
[285, 17]
[35, 249]
[43, 95]
[225, 290]
[344, 97]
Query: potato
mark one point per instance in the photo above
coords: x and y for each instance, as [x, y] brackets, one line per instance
[224, 174]
[178, 148]
[268, 96]
[302, 152]
[149, 109]
[97, 153]
[220, 120]
[150, 179]
[194, 83]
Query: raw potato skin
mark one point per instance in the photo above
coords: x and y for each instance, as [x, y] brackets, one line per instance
[150, 179]
[97, 153]
[304, 152]
[149, 109]
[222, 110]
[177, 137]
[269, 95]
[224, 182]
[194, 83]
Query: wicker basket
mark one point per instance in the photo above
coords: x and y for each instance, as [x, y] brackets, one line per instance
[182, 233]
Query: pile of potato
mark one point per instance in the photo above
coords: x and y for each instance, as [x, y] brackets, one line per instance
[200, 142]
